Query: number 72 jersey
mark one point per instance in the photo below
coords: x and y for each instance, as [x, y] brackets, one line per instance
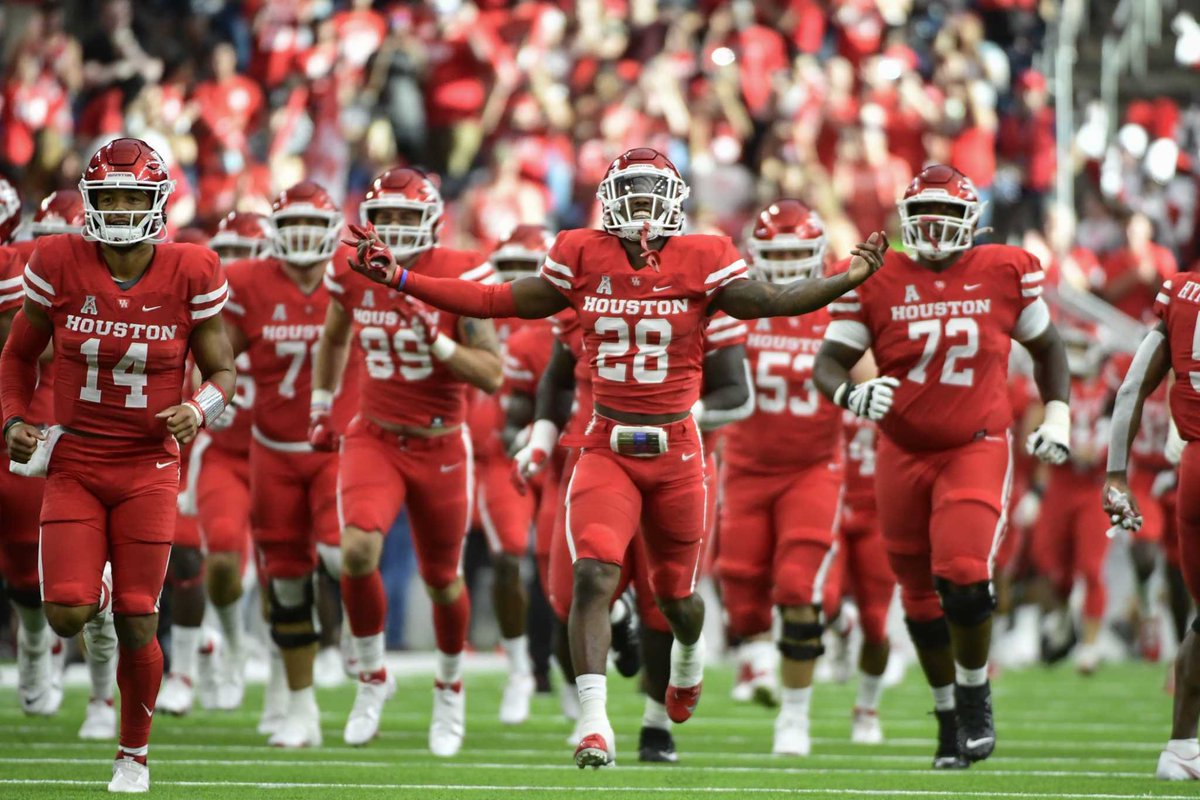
[946, 336]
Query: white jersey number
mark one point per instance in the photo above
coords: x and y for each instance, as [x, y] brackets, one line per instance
[130, 372]
[651, 338]
[931, 330]
[773, 388]
[297, 351]
[415, 362]
[861, 449]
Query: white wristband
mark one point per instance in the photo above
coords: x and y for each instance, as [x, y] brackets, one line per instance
[698, 411]
[443, 347]
[1058, 415]
[543, 436]
[321, 399]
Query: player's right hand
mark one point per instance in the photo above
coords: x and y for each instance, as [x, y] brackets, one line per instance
[321, 433]
[372, 257]
[872, 399]
[527, 463]
[22, 440]
[867, 257]
[1120, 505]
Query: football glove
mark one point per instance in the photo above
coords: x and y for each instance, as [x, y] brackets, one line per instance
[1173, 449]
[870, 400]
[1121, 508]
[321, 433]
[1051, 442]
[372, 257]
[530, 459]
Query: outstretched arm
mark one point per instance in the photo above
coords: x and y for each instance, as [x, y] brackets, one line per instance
[751, 299]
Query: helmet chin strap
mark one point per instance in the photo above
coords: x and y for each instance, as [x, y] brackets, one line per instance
[651, 256]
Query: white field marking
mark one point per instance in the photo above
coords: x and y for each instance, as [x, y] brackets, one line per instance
[625, 790]
[924, 769]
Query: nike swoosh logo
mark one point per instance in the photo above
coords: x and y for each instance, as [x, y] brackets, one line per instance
[149, 711]
[151, 308]
[970, 287]
[688, 456]
[164, 465]
[972, 743]
[451, 467]
[659, 288]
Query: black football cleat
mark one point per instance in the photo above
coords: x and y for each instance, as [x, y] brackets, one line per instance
[976, 730]
[657, 746]
[626, 642]
[947, 755]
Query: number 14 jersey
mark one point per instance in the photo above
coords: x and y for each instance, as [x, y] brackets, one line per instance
[946, 337]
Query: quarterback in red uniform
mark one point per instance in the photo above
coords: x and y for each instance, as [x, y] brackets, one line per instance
[941, 323]
[124, 312]
[1170, 347]
[276, 307]
[408, 446]
[642, 292]
[781, 476]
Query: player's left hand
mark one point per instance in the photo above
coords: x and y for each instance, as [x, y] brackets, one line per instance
[1120, 505]
[183, 422]
[372, 257]
[867, 257]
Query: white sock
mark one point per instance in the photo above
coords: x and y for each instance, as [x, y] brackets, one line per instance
[370, 653]
[516, 650]
[687, 663]
[870, 687]
[449, 667]
[303, 701]
[655, 715]
[795, 701]
[593, 699]
[970, 677]
[142, 751]
[760, 655]
[100, 639]
[943, 697]
[185, 651]
[1184, 748]
[230, 617]
[34, 636]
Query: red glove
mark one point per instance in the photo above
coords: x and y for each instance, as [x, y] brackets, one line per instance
[372, 257]
[321, 433]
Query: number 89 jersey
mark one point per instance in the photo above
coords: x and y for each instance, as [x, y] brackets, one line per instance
[119, 353]
[408, 386]
[642, 329]
[946, 337]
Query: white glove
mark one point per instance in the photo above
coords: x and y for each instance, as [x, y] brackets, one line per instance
[870, 400]
[185, 503]
[530, 459]
[1173, 449]
[1120, 511]
[226, 418]
[1051, 442]
[39, 463]
[1025, 513]
[1164, 482]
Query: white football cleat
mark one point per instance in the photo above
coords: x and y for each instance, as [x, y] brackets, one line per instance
[568, 701]
[791, 736]
[1087, 659]
[209, 666]
[275, 695]
[597, 747]
[756, 679]
[233, 688]
[176, 696]
[514, 704]
[866, 728]
[328, 669]
[449, 722]
[370, 695]
[298, 729]
[36, 687]
[129, 777]
[99, 721]
[1179, 761]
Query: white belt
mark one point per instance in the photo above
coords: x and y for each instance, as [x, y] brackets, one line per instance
[282, 447]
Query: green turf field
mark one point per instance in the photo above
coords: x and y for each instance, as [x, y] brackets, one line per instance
[1060, 736]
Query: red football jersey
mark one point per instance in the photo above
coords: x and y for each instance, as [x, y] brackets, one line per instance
[12, 284]
[406, 384]
[858, 492]
[946, 336]
[283, 326]
[120, 352]
[793, 425]
[13, 258]
[1091, 399]
[1178, 305]
[642, 329]
[236, 438]
[526, 354]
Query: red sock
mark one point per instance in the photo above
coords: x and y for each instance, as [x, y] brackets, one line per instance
[450, 623]
[365, 601]
[139, 673]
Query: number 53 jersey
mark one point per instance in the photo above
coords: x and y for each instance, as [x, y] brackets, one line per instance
[946, 337]
[120, 352]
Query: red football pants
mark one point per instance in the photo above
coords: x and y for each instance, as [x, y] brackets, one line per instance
[108, 500]
[866, 573]
[505, 514]
[293, 506]
[382, 473]
[20, 511]
[942, 514]
[1070, 538]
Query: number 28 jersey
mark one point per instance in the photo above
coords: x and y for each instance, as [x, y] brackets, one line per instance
[946, 336]
[119, 354]
[642, 329]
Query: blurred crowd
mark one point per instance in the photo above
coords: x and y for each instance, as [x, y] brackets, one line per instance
[520, 105]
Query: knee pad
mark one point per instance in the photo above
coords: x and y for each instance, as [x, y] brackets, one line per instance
[330, 556]
[966, 605]
[931, 634]
[801, 641]
[25, 598]
[293, 613]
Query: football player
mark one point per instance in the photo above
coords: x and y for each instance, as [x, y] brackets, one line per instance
[1168, 348]
[408, 446]
[642, 291]
[275, 311]
[940, 323]
[124, 311]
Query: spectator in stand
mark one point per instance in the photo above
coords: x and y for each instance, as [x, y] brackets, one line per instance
[115, 67]
[1026, 142]
[1130, 277]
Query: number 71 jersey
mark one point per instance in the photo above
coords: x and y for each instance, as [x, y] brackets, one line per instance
[946, 336]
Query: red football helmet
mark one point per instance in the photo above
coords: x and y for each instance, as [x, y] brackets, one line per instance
[126, 164]
[60, 212]
[939, 212]
[400, 190]
[642, 190]
[10, 211]
[305, 223]
[242, 234]
[787, 242]
[522, 253]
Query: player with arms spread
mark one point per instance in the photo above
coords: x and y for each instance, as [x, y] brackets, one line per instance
[123, 311]
[940, 323]
[642, 292]
[1170, 347]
